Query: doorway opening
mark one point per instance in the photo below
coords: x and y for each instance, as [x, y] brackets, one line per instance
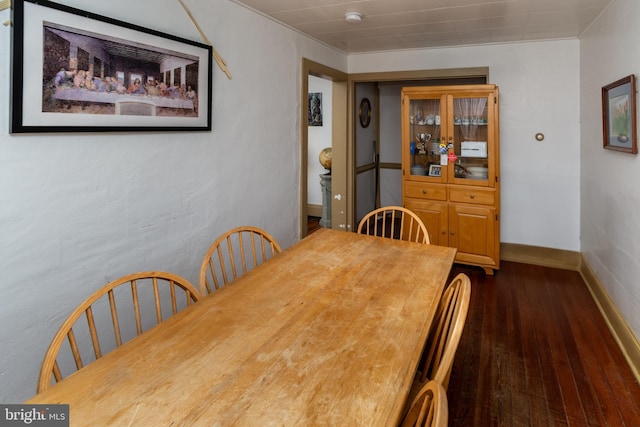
[376, 152]
[335, 120]
[347, 170]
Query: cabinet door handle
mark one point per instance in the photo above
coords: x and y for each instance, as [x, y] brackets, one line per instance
[444, 232]
[453, 233]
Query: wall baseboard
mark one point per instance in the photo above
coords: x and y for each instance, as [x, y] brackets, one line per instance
[314, 210]
[547, 257]
[626, 339]
[569, 260]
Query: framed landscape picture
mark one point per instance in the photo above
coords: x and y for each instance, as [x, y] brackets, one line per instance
[619, 115]
[74, 71]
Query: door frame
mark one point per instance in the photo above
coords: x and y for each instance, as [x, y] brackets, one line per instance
[374, 164]
[339, 119]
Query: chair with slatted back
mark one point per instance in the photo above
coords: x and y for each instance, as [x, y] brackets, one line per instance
[395, 222]
[233, 254]
[429, 408]
[111, 313]
[444, 335]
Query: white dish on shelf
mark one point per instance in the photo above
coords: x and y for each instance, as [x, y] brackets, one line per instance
[477, 170]
[418, 170]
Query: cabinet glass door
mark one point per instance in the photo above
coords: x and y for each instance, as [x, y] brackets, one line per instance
[425, 120]
[471, 145]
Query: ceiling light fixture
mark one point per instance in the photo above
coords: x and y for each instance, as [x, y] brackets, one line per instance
[353, 17]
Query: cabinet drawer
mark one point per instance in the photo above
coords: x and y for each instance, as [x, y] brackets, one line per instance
[472, 195]
[425, 191]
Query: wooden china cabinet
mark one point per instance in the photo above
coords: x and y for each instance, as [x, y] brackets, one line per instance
[451, 169]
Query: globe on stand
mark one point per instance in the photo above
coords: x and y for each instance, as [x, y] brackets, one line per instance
[325, 158]
[325, 185]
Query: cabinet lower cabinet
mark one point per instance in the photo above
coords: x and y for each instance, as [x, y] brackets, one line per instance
[435, 217]
[471, 228]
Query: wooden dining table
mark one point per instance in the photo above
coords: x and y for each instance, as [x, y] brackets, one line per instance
[329, 332]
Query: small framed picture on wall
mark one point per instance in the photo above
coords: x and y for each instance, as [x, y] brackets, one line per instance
[315, 109]
[619, 115]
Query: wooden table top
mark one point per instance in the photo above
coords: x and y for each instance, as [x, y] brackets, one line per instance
[329, 332]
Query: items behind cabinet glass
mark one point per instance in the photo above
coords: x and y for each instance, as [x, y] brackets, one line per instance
[474, 149]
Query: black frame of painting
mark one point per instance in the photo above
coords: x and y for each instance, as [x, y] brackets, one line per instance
[39, 99]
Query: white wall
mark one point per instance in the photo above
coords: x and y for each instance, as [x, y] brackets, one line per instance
[319, 138]
[79, 210]
[539, 92]
[610, 223]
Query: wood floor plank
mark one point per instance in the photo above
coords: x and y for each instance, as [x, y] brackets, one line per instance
[536, 351]
[504, 356]
[567, 401]
[466, 367]
[565, 295]
[536, 348]
[491, 405]
[513, 325]
[598, 355]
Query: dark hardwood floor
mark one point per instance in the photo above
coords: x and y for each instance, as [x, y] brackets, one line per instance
[313, 224]
[536, 351]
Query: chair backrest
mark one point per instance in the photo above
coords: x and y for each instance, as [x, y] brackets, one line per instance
[159, 294]
[446, 330]
[395, 222]
[429, 408]
[233, 254]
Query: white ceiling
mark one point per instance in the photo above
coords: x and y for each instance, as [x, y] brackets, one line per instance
[410, 24]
